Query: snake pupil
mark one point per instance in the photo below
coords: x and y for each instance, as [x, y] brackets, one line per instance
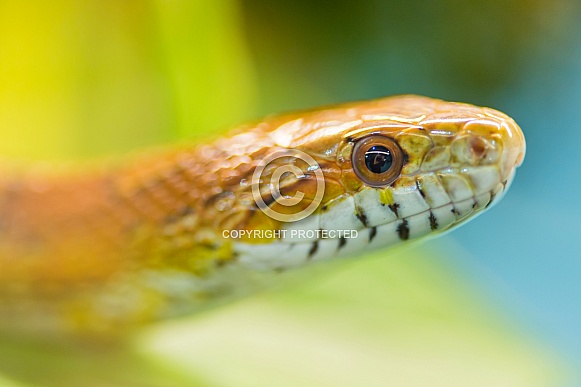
[378, 159]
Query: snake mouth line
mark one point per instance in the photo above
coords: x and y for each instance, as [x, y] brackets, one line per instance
[459, 209]
[435, 221]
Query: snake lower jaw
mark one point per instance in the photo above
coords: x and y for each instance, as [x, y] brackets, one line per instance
[365, 221]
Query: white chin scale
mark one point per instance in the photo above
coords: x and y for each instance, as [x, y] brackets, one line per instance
[378, 218]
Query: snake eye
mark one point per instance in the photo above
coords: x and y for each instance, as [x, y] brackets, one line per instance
[377, 160]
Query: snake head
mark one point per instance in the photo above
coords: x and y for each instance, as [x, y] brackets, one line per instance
[393, 170]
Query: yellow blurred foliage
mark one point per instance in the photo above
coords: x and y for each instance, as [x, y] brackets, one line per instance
[80, 79]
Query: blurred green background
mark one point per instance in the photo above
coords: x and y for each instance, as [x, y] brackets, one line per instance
[496, 303]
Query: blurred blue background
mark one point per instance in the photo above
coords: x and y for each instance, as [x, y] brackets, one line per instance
[531, 244]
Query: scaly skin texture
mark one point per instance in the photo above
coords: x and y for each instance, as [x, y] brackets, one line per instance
[104, 250]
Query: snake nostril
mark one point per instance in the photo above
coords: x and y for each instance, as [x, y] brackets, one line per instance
[472, 149]
[478, 148]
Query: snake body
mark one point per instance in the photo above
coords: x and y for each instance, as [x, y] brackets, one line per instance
[97, 251]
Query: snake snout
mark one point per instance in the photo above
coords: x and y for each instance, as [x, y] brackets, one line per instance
[520, 159]
[493, 140]
[515, 146]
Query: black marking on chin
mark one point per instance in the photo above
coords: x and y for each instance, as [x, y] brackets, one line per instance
[342, 242]
[361, 216]
[403, 230]
[455, 211]
[394, 208]
[313, 249]
[372, 233]
[433, 221]
[420, 190]
[492, 196]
